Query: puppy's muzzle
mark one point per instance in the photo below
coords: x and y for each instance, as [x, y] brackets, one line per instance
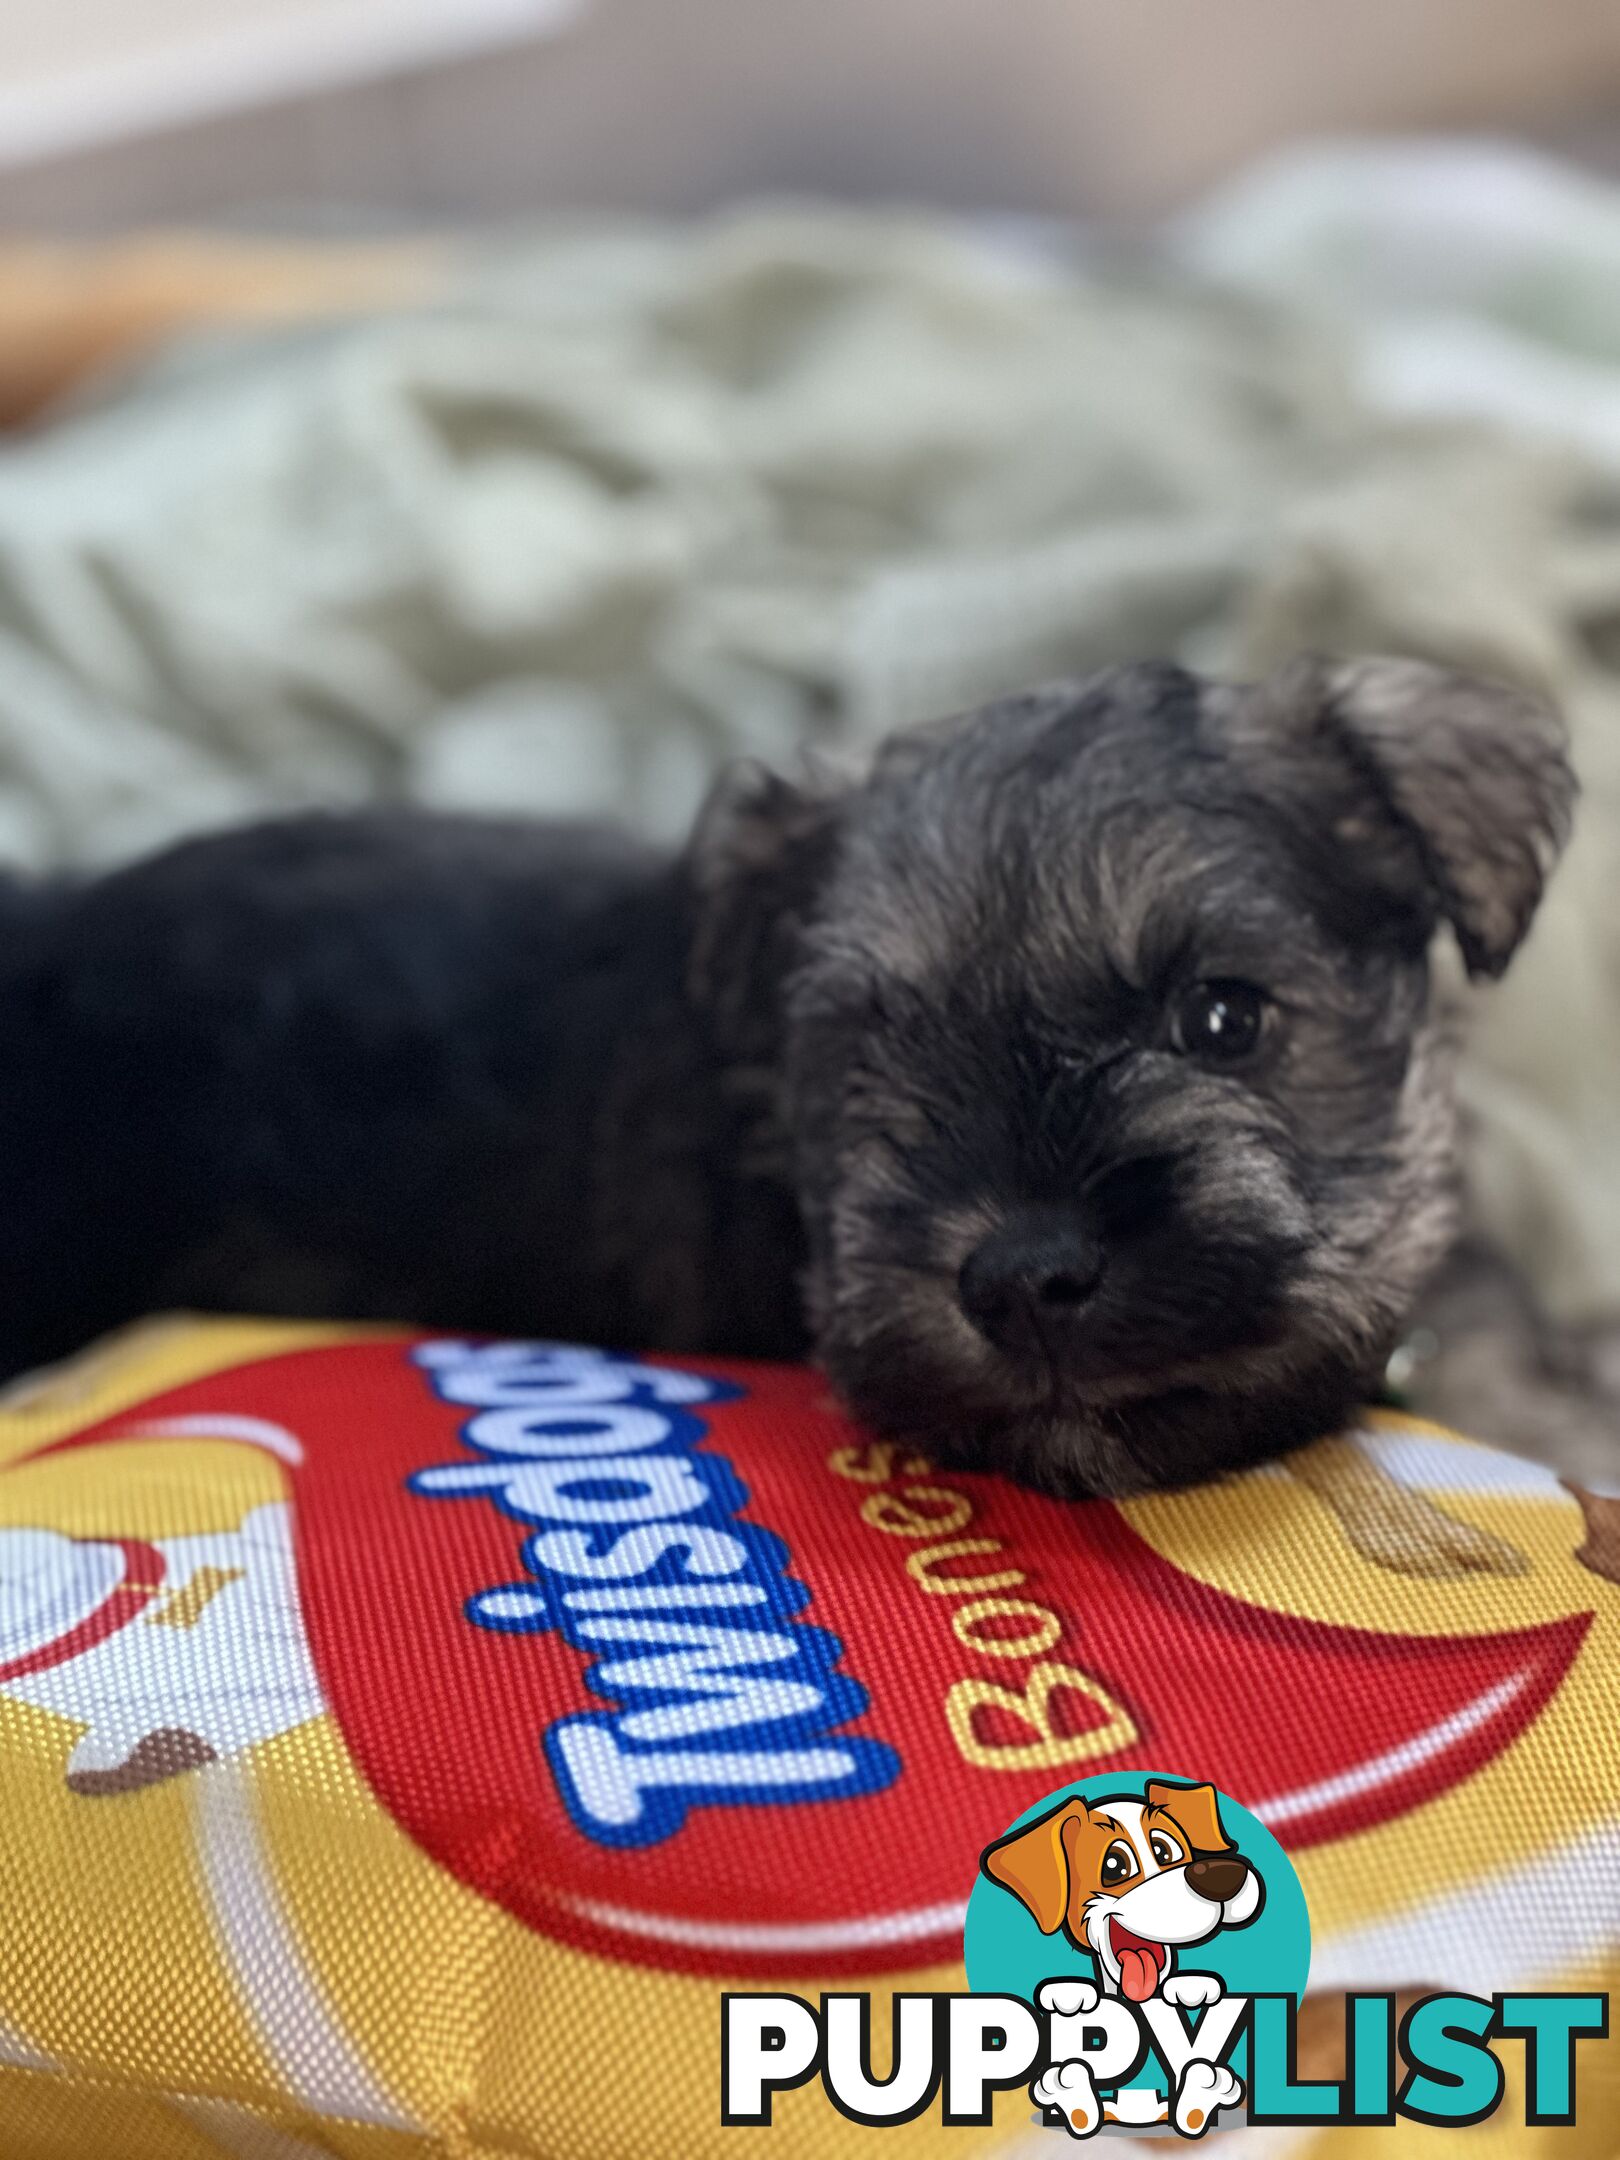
[1027, 1283]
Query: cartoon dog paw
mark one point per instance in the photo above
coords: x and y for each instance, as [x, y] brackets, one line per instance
[1068, 2087]
[1204, 2090]
[1192, 1991]
[1067, 1998]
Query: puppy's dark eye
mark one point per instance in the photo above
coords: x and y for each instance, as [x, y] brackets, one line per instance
[1118, 1863]
[1221, 1022]
[1165, 1849]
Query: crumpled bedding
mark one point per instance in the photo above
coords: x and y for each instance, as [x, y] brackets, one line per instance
[631, 499]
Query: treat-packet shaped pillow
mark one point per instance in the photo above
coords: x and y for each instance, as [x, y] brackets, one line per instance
[406, 1742]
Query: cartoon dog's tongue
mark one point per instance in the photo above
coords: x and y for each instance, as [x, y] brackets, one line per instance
[1140, 1963]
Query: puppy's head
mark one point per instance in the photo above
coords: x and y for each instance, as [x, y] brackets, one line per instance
[1131, 1880]
[1101, 1023]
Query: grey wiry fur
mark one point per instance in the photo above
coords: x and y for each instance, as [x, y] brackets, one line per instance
[987, 939]
[785, 1088]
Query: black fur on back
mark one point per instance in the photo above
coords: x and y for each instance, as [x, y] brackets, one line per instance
[385, 1066]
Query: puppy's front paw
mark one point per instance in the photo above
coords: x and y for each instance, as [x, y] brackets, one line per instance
[1067, 1998]
[1204, 2090]
[1192, 1990]
[1068, 2087]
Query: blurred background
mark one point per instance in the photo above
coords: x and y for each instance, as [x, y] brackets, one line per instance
[112, 110]
[534, 403]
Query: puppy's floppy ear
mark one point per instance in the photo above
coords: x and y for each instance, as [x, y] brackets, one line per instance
[1454, 793]
[1197, 1810]
[1033, 1863]
[754, 864]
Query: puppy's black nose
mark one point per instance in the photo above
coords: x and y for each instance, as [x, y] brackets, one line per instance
[1030, 1277]
[1219, 1879]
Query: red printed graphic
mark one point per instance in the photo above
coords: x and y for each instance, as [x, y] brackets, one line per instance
[770, 1740]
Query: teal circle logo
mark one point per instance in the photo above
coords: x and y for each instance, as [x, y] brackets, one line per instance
[1138, 1884]
[1125, 1880]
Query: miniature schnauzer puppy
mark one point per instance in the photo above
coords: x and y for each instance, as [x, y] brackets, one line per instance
[1071, 1085]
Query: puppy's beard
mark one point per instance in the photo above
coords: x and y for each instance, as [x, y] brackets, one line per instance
[1207, 1383]
[894, 1328]
[897, 1335]
[910, 1364]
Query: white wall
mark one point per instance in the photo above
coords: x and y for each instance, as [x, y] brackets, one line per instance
[81, 76]
[1056, 105]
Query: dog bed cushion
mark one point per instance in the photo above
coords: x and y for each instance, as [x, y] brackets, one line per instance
[365, 1796]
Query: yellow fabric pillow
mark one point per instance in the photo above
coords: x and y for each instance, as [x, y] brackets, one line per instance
[404, 1742]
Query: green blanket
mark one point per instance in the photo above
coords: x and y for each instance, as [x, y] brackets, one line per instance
[635, 499]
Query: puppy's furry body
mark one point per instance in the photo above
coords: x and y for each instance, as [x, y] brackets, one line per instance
[792, 1088]
[378, 1066]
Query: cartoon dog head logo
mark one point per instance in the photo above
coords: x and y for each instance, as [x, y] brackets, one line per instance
[1132, 1878]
